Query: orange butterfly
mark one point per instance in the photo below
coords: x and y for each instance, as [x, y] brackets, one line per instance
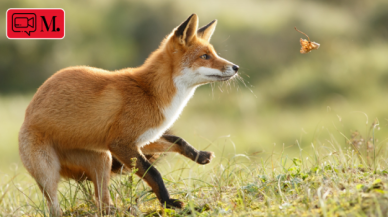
[307, 46]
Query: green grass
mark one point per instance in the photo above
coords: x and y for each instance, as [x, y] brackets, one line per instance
[328, 177]
[305, 161]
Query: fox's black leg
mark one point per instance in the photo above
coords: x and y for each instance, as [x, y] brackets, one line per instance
[184, 148]
[154, 179]
[171, 143]
[146, 171]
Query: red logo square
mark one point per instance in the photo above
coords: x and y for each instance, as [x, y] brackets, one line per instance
[35, 23]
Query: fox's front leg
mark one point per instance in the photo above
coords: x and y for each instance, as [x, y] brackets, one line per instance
[124, 153]
[172, 143]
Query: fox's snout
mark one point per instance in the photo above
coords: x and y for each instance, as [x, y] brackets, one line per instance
[232, 68]
[228, 71]
[235, 68]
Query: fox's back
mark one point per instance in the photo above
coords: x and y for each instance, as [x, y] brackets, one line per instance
[78, 104]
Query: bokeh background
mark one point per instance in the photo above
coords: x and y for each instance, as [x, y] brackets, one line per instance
[287, 99]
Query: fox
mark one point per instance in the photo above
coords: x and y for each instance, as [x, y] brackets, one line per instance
[88, 122]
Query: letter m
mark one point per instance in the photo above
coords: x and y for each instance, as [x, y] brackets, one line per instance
[45, 23]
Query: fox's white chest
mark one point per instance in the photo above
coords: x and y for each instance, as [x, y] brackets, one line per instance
[171, 113]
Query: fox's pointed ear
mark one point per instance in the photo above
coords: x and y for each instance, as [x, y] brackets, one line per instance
[206, 32]
[187, 30]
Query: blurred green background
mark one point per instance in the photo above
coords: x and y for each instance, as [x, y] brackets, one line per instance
[288, 98]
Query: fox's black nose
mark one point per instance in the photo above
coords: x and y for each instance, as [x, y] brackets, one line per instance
[235, 68]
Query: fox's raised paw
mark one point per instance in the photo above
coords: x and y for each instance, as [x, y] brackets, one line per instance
[205, 157]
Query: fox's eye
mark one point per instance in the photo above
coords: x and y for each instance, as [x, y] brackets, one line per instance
[205, 57]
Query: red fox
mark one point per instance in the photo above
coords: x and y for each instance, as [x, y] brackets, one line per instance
[82, 118]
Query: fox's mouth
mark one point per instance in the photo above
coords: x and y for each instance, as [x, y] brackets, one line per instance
[221, 78]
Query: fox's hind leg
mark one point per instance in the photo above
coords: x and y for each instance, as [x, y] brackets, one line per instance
[97, 167]
[172, 143]
[41, 161]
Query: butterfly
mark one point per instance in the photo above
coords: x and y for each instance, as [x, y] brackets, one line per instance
[307, 45]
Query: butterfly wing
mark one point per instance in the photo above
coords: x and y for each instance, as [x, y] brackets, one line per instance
[314, 45]
[305, 46]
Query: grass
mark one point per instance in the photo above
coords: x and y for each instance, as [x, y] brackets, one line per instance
[327, 178]
[290, 162]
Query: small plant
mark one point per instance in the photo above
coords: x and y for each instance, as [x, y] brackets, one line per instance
[132, 180]
[365, 146]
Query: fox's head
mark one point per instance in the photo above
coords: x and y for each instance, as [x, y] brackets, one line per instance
[198, 62]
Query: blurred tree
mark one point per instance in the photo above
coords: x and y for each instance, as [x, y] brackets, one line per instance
[257, 35]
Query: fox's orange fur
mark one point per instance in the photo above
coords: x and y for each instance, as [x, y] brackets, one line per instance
[81, 116]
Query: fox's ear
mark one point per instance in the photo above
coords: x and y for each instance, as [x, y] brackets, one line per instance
[206, 32]
[187, 30]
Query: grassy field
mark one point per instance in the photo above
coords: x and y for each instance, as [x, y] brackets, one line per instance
[310, 162]
[330, 181]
